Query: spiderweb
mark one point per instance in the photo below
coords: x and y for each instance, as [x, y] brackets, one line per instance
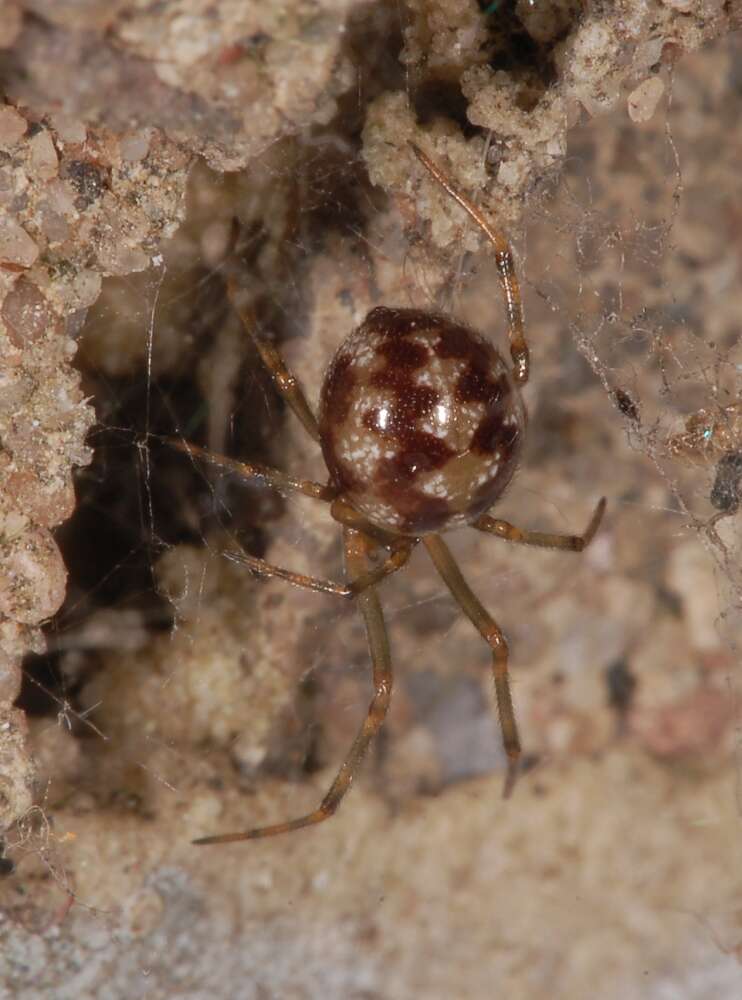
[172, 668]
[624, 257]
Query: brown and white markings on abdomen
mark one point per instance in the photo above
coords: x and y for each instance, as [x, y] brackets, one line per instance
[421, 422]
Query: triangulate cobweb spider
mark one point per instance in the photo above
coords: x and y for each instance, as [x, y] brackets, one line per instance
[421, 423]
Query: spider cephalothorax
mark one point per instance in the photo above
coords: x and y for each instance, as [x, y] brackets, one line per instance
[421, 424]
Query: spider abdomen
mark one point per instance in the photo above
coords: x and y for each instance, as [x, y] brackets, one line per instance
[421, 423]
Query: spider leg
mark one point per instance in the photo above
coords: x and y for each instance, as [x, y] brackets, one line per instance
[286, 383]
[357, 547]
[505, 267]
[394, 561]
[344, 513]
[248, 470]
[542, 539]
[492, 634]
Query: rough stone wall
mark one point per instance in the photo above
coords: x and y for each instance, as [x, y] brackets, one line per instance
[426, 883]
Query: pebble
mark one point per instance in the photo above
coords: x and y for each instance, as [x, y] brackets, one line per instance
[643, 100]
[12, 127]
[16, 246]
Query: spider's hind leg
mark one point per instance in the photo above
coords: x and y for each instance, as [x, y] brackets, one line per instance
[285, 382]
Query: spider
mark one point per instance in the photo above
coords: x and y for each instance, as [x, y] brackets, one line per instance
[420, 423]
[715, 435]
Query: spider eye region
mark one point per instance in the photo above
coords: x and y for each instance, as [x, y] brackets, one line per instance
[421, 423]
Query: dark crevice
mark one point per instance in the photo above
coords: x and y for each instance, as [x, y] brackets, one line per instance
[139, 497]
[524, 57]
[43, 686]
[438, 98]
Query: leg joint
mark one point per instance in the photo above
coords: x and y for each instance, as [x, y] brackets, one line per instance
[498, 643]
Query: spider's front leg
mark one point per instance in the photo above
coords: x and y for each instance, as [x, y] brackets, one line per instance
[492, 634]
[279, 481]
[485, 623]
[357, 549]
[368, 578]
